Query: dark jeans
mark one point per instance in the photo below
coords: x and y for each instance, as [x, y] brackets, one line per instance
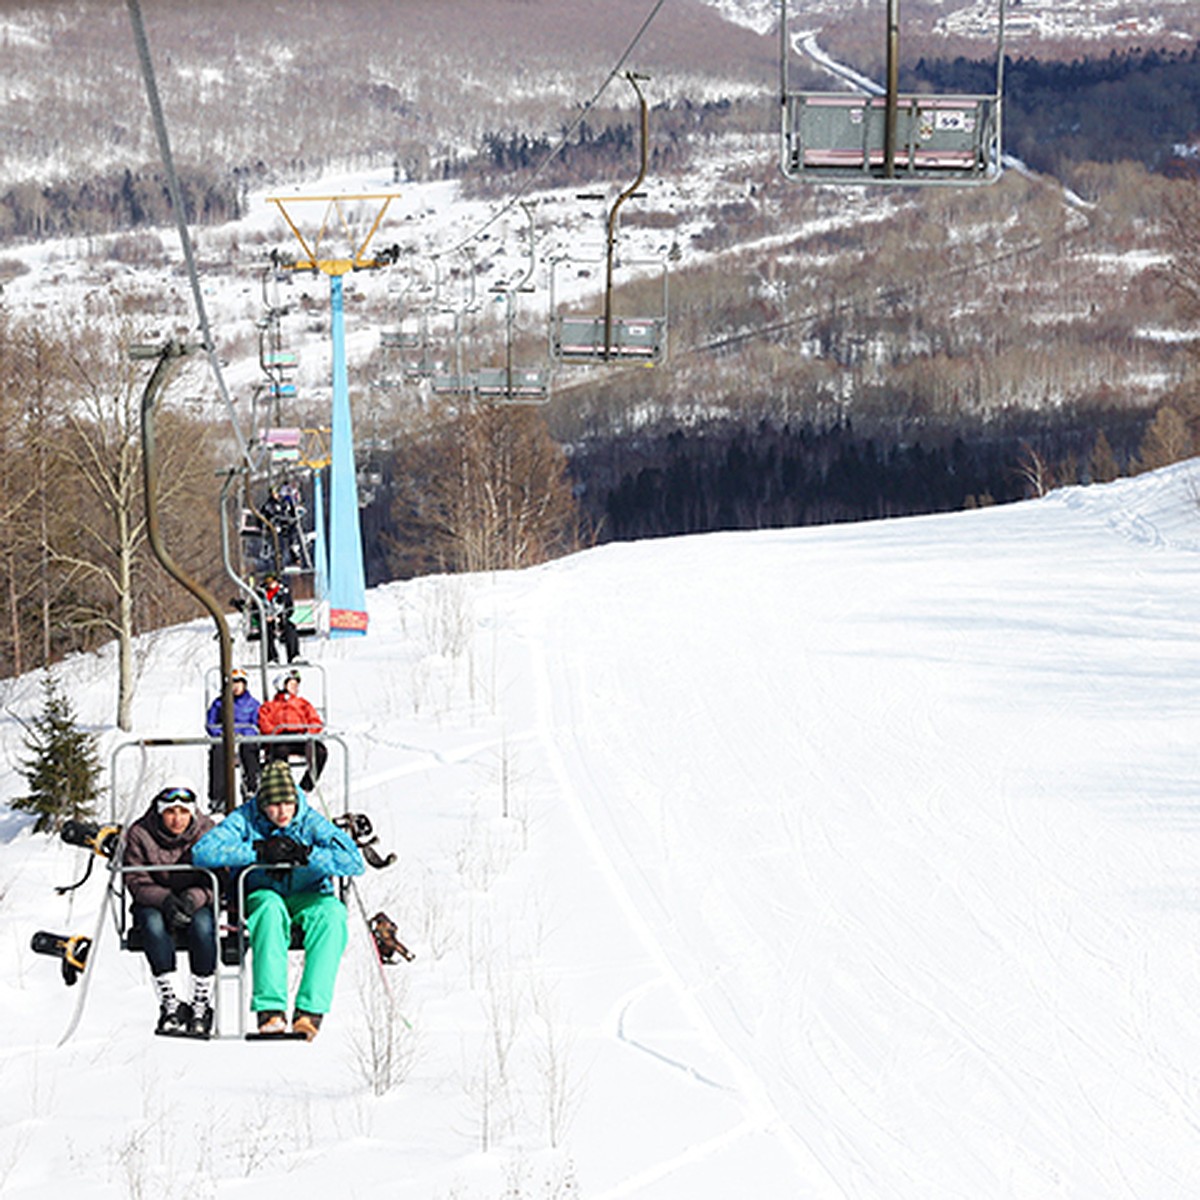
[159, 943]
[315, 755]
[291, 639]
[247, 756]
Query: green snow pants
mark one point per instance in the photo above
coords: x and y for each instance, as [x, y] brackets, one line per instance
[269, 921]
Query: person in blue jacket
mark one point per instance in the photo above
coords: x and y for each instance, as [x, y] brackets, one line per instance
[295, 854]
[245, 721]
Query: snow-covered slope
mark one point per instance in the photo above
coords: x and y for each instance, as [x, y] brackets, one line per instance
[851, 862]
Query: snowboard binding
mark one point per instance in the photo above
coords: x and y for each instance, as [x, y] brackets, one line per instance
[359, 827]
[72, 950]
[383, 930]
[101, 840]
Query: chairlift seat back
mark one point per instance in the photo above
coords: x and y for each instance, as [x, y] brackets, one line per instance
[582, 339]
[841, 137]
[399, 339]
[521, 383]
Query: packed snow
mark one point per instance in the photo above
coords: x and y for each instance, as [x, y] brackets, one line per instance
[852, 861]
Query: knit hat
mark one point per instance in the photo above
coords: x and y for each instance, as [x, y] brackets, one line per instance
[176, 795]
[276, 786]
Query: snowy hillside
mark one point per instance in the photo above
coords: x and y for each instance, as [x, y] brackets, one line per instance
[1088, 20]
[854, 861]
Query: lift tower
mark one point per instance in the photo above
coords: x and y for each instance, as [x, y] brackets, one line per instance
[346, 584]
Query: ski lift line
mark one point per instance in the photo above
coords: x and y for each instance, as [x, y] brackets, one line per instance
[164, 146]
[562, 143]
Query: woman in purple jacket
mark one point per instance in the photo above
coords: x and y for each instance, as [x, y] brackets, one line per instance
[164, 902]
[245, 722]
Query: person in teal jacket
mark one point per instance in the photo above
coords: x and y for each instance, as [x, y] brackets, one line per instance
[295, 853]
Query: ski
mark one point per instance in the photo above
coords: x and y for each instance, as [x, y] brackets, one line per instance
[86, 976]
[108, 843]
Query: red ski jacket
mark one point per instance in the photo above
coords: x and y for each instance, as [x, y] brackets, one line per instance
[288, 714]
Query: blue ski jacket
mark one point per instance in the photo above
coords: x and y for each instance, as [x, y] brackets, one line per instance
[245, 715]
[332, 852]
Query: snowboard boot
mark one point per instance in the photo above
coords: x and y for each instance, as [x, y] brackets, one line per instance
[174, 1022]
[271, 1023]
[201, 1024]
[306, 1023]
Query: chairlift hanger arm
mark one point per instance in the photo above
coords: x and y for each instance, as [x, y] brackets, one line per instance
[633, 80]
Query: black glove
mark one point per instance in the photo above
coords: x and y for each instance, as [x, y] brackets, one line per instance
[281, 849]
[177, 910]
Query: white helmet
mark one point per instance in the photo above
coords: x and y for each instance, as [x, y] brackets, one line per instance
[281, 680]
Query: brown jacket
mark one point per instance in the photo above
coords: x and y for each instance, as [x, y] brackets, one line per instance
[150, 845]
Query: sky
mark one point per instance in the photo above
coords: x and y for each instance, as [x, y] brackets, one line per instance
[851, 861]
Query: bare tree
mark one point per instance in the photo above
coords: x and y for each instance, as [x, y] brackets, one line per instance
[30, 389]
[489, 489]
[1167, 440]
[1180, 216]
[97, 455]
[1035, 469]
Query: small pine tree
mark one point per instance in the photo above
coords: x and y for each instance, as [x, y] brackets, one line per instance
[64, 767]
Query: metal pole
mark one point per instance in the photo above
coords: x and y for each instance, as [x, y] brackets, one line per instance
[785, 140]
[893, 88]
[612, 216]
[168, 359]
[1000, 90]
[250, 595]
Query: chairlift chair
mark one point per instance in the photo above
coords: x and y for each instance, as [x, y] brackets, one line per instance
[457, 384]
[233, 963]
[398, 339]
[891, 137]
[608, 337]
[515, 385]
[629, 339]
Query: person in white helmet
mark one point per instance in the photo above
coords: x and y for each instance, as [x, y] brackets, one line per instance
[290, 712]
[167, 903]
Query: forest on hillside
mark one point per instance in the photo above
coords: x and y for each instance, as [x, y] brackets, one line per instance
[835, 355]
[1137, 105]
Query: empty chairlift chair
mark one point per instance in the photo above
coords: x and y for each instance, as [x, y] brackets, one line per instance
[889, 136]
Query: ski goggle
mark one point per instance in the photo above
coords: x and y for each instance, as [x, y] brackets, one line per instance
[177, 797]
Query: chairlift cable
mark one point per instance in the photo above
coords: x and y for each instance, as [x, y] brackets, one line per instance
[562, 143]
[164, 146]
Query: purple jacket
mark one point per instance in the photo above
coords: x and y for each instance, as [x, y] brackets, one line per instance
[150, 845]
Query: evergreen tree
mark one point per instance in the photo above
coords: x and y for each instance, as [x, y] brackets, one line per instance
[63, 768]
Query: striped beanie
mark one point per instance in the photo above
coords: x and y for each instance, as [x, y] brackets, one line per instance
[276, 786]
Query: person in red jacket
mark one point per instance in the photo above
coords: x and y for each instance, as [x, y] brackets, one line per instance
[290, 712]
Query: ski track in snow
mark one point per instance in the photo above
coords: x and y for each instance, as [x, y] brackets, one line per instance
[862, 857]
